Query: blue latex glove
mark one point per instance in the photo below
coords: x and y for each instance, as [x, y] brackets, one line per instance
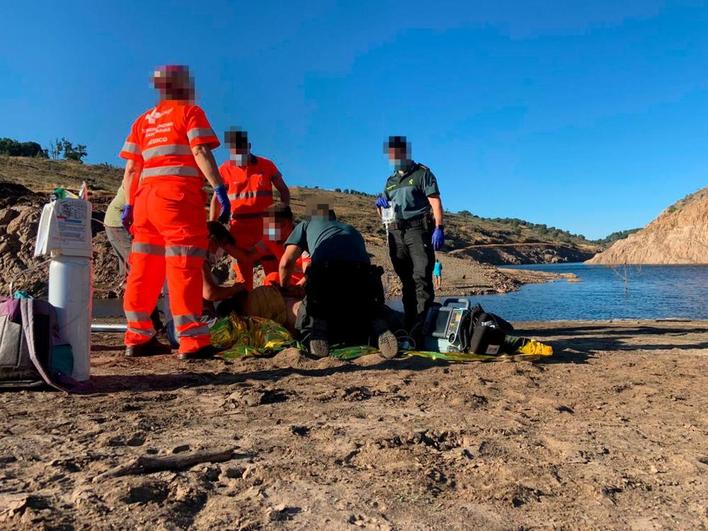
[438, 238]
[223, 199]
[382, 202]
[126, 217]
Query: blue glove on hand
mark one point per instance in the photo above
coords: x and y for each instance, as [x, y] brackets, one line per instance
[382, 202]
[126, 217]
[438, 238]
[223, 199]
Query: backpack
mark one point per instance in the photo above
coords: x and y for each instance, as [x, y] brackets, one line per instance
[31, 353]
[485, 332]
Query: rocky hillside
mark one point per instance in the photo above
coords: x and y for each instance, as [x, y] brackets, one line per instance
[493, 241]
[472, 242]
[678, 236]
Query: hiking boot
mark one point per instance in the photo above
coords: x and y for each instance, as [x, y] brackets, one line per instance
[203, 353]
[319, 344]
[388, 344]
[319, 348]
[149, 348]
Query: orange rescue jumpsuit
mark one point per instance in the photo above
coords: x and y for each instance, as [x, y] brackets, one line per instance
[169, 228]
[269, 253]
[250, 190]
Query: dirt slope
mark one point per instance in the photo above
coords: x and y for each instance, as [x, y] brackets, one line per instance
[609, 434]
[485, 240]
[678, 236]
[25, 185]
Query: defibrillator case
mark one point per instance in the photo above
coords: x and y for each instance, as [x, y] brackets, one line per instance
[443, 329]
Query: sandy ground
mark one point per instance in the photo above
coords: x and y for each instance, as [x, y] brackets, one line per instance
[610, 433]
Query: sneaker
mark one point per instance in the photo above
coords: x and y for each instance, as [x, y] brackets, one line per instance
[149, 348]
[536, 348]
[203, 353]
[319, 348]
[388, 344]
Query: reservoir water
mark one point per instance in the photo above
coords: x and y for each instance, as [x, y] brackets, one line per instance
[603, 292]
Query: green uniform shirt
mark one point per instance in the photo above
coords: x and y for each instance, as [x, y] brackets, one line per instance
[112, 217]
[329, 241]
[410, 189]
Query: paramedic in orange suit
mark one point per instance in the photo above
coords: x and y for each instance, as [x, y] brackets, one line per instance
[250, 180]
[168, 153]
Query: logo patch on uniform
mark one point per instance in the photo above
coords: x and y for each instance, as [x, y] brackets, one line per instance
[410, 181]
[154, 115]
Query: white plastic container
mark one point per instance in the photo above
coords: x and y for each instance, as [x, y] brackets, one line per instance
[71, 294]
[65, 235]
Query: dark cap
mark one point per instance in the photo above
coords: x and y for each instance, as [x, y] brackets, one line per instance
[280, 211]
[235, 137]
[396, 142]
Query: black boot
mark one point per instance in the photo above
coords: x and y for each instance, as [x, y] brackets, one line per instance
[319, 344]
[203, 353]
[150, 348]
[386, 340]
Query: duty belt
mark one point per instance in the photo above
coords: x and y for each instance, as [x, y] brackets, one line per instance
[424, 221]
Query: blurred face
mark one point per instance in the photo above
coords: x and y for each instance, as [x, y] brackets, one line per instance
[174, 82]
[275, 229]
[240, 153]
[271, 229]
[397, 156]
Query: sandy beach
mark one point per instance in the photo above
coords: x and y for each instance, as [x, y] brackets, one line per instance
[609, 433]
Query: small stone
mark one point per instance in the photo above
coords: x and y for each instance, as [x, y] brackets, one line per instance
[137, 439]
[211, 473]
[301, 431]
[233, 472]
[180, 449]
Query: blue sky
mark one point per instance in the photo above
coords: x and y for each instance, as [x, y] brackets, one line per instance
[590, 116]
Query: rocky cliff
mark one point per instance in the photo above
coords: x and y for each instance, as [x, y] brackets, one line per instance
[678, 236]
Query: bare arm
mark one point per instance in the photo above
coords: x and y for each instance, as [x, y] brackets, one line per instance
[282, 188]
[131, 180]
[287, 263]
[212, 291]
[207, 163]
[240, 254]
[436, 204]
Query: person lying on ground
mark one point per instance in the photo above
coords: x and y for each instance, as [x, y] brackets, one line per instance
[344, 299]
[268, 302]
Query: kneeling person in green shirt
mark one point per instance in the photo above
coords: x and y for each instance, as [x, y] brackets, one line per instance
[344, 299]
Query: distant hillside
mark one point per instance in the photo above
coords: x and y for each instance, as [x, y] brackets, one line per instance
[678, 236]
[493, 241]
[615, 236]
